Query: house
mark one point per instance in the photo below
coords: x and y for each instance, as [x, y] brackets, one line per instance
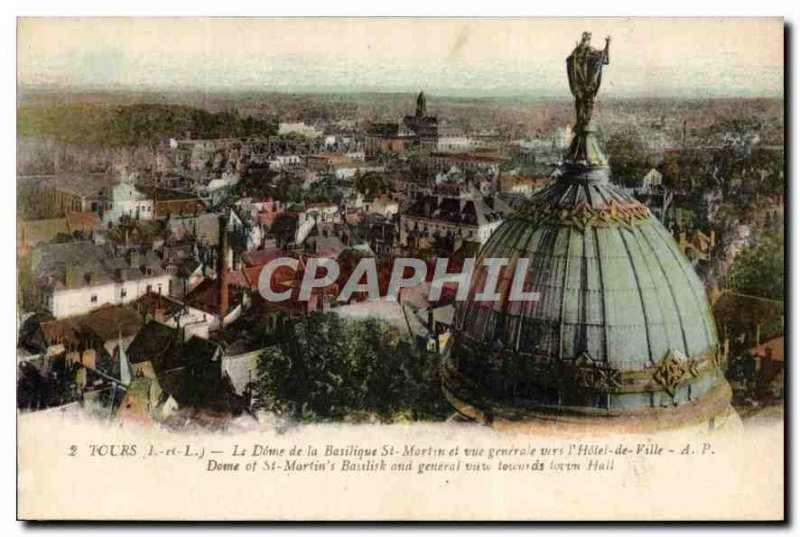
[299, 128]
[167, 203]
[341, 165]
[218, 189]
[387, 138]
[56, 195]
[383, 206]
[261, 213]
[101, 330]
[172, 374]
[652, 179]
[282, 162]
[124, 200]
[75, 278]
[242, 343]
[246, 229]
[185, 274]
[202, 228]
[452, 215]
[524, 186]
[189, 320]
[477, 162]
[218, 309]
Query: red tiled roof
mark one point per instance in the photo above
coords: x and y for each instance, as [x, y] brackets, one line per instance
[246, 278]
[262, 257]
[205, 297]
[774, 346]
[107, 323]
[83, 221]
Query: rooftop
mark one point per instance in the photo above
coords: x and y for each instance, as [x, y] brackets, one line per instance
[91, 264]
[151, 343]
[81, 185]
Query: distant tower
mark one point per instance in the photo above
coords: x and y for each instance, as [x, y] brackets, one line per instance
[422, 108]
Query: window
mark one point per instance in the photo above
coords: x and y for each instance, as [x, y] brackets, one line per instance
[94, 299]
[149, 288]
[123, 293]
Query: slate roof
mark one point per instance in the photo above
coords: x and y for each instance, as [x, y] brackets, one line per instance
[194, 378]
[109, 322]
[204, 227]
[39, 231]
[82, 185]
[151, 302]
[151, 343]
[472, 210]
[52, 260]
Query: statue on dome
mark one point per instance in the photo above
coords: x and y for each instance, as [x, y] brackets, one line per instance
[585, 69]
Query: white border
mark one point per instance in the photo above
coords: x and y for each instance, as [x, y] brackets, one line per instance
[11, 10]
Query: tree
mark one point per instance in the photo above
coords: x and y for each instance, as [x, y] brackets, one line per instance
[305, 377]
[332, 369]
[759, 269]
[289, 188]
[372, 184]
[284, 228]
[629, 158]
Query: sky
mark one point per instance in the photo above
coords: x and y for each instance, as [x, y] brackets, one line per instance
[458, 57]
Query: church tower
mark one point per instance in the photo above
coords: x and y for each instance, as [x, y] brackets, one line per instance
[422, 107]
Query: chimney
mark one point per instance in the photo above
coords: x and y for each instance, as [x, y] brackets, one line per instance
[90, 358]
[73, 274]
[222, 269]
[134, 258]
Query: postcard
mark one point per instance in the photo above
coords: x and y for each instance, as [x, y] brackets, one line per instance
[407, 269]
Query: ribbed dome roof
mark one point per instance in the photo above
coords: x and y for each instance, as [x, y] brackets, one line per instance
[611, 279]
[621, 323]
[620, 312]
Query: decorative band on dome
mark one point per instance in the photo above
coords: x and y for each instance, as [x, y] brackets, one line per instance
[583, 373]
[582, 216]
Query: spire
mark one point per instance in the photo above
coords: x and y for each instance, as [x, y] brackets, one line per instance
[124, 365]
[422, 107]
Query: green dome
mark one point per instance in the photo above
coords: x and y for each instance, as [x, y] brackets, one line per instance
[621, 324]
[621, 321]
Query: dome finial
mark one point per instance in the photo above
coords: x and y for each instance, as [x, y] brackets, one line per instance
[584, 71]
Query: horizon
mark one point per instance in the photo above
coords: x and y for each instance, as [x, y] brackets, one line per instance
[30, 90]
[459, 58]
